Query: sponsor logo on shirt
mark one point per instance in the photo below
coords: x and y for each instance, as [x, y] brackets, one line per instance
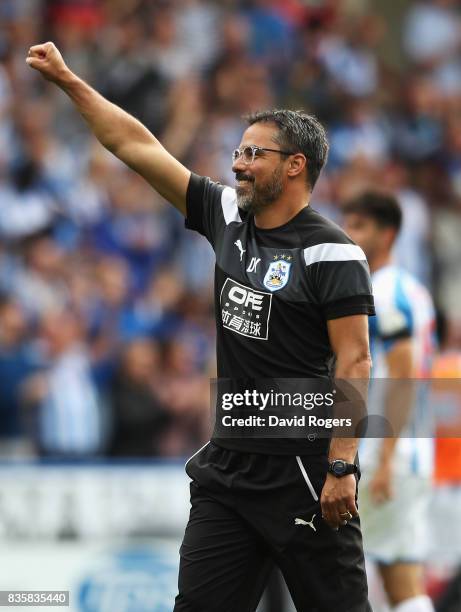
[245, 310]
[238, 244]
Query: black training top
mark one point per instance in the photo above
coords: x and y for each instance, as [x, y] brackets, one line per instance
[275, 290]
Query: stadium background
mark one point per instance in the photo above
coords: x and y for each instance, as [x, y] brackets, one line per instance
[106, 323]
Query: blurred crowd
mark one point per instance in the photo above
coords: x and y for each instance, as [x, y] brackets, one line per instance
[106, 316]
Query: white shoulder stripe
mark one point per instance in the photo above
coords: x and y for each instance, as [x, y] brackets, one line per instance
[229, 205]
[329, 251]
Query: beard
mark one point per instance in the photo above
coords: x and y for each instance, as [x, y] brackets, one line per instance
[254, 198]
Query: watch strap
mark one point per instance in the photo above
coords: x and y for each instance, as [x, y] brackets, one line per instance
[343, 468]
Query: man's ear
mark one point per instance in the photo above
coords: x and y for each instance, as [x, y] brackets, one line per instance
[391, 236]
[297, 164]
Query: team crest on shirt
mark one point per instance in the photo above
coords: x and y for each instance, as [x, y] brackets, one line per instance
[278, 273]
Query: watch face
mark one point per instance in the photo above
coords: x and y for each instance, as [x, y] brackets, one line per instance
[339, 467]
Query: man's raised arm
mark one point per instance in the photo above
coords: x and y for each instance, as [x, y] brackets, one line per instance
[115, 129]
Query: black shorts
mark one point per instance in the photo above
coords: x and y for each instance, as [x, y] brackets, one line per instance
[253, 511]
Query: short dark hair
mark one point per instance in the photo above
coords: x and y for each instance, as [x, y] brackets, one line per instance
[382, 207]
[298, 132]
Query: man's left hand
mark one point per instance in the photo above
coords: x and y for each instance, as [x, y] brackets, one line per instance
[338, 500]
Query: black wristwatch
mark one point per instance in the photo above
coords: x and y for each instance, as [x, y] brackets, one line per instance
[340, 468]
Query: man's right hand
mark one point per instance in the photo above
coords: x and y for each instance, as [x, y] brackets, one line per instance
[47, 59]
[118, 131]
[380, 486]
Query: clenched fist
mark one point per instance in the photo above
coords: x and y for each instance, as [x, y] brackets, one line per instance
[46, 59]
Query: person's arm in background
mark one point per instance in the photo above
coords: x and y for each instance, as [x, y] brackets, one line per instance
[349, 341]
[115, 129]
[398, 404]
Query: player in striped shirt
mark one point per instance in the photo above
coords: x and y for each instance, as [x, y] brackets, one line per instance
[397, 469]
